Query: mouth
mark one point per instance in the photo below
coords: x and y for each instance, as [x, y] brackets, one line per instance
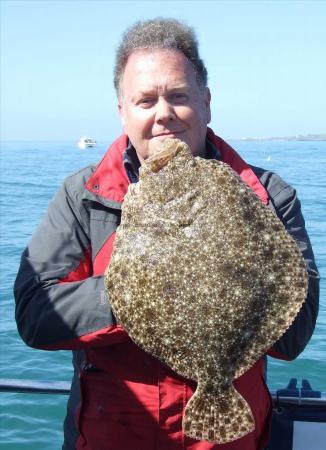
[169, 134]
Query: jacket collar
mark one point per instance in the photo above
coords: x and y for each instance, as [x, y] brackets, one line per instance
[110, 182]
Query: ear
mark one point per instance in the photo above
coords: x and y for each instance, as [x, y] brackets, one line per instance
[207, 100]
[121, 114]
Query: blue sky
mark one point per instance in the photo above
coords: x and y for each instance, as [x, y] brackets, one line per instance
[265, 59]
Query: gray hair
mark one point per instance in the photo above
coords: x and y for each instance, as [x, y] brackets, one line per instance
[159, 33]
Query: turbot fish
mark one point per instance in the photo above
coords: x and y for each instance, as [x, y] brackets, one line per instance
[204, 277]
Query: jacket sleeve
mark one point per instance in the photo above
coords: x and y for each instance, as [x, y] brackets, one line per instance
[287, 206]
[59, 304]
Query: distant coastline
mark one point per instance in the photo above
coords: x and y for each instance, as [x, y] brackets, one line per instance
[300, 137]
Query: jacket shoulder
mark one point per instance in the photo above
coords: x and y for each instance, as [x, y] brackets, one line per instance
[75, 183]
[68, 203]
[279, 191]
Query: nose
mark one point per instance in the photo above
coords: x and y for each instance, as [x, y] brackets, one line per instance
[164, 111]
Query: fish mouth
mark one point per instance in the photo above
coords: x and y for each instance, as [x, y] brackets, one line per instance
[163, 154]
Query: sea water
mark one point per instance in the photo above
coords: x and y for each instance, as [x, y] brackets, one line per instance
[30, 175]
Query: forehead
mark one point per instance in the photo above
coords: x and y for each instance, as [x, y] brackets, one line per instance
[157, 67]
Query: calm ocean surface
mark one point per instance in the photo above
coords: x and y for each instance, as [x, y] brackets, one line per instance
[30, 175]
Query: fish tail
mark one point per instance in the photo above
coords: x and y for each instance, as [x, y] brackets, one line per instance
[217, 417]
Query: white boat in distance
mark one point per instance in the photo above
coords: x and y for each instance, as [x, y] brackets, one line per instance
[85, 142]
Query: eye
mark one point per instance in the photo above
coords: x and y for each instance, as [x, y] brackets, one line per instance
[146, 102]
[179, 97]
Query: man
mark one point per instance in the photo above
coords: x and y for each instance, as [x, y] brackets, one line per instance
[121, 397]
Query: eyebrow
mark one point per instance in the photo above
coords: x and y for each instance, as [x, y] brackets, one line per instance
[149, 91]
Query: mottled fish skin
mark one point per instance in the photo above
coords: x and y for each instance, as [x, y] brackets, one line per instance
[204, 277]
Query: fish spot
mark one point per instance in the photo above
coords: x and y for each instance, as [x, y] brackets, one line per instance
[222, 432]
[223, 406]
[187, 426]
[211, 435]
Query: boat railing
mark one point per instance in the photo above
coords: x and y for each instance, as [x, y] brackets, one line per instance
[280, 398]
[34, 386]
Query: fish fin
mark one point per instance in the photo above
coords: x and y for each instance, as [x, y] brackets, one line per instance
[216, 417]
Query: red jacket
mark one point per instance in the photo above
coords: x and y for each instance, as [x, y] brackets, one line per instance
[122, 398]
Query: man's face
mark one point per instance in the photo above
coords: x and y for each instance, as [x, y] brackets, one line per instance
[160, 98]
